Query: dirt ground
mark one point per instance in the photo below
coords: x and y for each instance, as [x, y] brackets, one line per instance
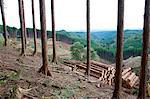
[19, 79]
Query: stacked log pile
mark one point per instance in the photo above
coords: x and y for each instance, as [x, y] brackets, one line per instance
[104, 72]
[129, 78]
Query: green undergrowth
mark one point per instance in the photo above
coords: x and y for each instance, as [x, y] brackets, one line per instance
[67, 91]
[12, 75]
[1, 40]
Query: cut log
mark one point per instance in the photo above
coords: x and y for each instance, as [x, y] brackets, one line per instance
[126, 75]
[105, 66]
[130, 78]
[95, 66]
[134, 81]
[126, 70]
[81, 66]
[104, 73]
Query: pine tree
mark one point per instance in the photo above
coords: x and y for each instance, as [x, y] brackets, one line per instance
[88, 38]
[24, 24]
[34, 29]
[144, 61]
[119, 53]
[44, 68]
[53, 32]
[22, 27]
[4, 23]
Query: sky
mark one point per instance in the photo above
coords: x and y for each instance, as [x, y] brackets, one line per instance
[70, 15]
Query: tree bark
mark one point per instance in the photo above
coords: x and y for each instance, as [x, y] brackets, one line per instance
[44, 68]
[88, 37]
[144, 61]
[22, 27]
[4, 23]
[34, 29]
[53, 32]
[25, 33]
[119, 53]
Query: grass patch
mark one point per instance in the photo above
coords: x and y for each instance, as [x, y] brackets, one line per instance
[68, 91]
[2, 82]
[15, 75]
[13, 89]
[136, 70]
[135, 91]
[1, 40]
[4, 76]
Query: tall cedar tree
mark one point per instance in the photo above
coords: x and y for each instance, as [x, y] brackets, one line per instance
[119, 53]
[34, 29]
[44, 68]
[25, 33]
[4, 22]
[88, 37]
[53, 32]
[144, 61]
[22, 27]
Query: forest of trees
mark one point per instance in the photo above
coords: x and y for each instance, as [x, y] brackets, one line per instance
[118, 49]
[105, 48]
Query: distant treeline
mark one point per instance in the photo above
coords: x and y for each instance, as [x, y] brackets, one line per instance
[105, 47]
[14, 32]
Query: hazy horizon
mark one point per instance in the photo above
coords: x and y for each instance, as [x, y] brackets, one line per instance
[70, 15]
[85, 30]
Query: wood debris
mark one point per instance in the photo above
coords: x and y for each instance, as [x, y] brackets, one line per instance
[104, 72]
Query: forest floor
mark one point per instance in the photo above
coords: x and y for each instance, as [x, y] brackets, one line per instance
[19, 79]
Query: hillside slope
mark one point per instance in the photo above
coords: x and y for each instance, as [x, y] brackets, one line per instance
[19, 79]
[135, 64]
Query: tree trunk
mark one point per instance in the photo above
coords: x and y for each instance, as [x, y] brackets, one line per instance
[34, 29]
[144, 61]
[25, 33]
[4, 23]
[119, 53]
[53, 32]
[22, 27]
[44, 68]
[88, 38]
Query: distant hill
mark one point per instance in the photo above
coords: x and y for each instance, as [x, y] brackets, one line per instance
[95, 35]
[103, 42]
[105, 35]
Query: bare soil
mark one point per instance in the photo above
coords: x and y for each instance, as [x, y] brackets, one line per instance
[19, 79]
